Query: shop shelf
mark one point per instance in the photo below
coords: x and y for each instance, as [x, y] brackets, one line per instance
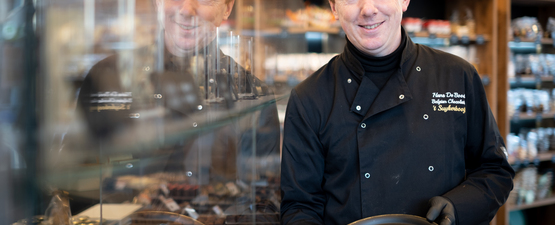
[443, 40]
[536, 204]
[533, 116]
[541, 157]
[530, 79]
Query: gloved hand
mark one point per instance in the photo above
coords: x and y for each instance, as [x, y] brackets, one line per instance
[442, 211]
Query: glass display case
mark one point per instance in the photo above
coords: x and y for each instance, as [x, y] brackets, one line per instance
[135, 112]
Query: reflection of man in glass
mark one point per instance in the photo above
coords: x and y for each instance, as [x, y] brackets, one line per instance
[214, 155]
[190, 23]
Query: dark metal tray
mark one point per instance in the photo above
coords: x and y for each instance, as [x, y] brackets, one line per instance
[393, 219]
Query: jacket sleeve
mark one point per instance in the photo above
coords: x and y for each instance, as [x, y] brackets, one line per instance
[488, 173]
[302, 167]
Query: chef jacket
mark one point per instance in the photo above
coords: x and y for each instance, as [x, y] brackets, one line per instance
[351, 150]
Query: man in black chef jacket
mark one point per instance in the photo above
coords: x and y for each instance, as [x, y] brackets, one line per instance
[391, 127]
[116, 101]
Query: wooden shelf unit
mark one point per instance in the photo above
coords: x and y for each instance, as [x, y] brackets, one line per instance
[506, 11]
[535, 204]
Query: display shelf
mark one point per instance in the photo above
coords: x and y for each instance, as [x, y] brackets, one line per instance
[530, 79]
[533, 116]
[543, 41]
[529, 45]
[443, 40]
[541, 157]
[471, 38]
[536, 204]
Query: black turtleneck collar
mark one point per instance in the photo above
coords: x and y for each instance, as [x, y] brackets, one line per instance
[379, 69]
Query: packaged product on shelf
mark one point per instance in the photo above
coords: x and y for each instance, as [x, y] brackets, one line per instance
[528, 101]
[438, 26]
[527, 27]
[466, 27]
[525, 186]
[455, 22]
[532, 141]
[545, 183]
[311, 16]
[543, 139]
[550, 27]
[412, 24]
[470, 23]
[531, 185]
[534, 64]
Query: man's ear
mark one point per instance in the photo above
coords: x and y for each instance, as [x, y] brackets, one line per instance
[405, 4]
[228, 8]
[332, 5]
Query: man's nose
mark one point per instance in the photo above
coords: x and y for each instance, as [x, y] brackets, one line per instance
[368, 7]
[188, 8]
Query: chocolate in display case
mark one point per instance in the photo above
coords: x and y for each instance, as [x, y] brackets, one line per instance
[147, 113]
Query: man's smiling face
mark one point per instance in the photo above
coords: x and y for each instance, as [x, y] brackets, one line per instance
[190, 23]
[373, 26]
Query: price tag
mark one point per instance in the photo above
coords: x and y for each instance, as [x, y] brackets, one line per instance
[465, 40]
[432, 36]
[411, 34]
[480, 39]
[538, 40]
[191, 212]
[170, 203]
[516, 40]
[164, 189]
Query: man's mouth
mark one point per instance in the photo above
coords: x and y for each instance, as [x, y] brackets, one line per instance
[371, 26]
[187, 27]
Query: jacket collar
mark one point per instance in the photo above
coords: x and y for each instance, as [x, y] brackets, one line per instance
[371, 100]
[355, 67]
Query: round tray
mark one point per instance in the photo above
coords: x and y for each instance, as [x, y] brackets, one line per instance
[393, 219]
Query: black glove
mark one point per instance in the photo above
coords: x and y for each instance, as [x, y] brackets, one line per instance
[441, 211]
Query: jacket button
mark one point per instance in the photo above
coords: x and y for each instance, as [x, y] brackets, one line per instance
[367, 175]
[401, 97]
[358, 107]
[426, 117]
[363, 125]
[431, 168]
[199, 107]
[418, 68]
[189, 174]
[349, 80]
[195, 124]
